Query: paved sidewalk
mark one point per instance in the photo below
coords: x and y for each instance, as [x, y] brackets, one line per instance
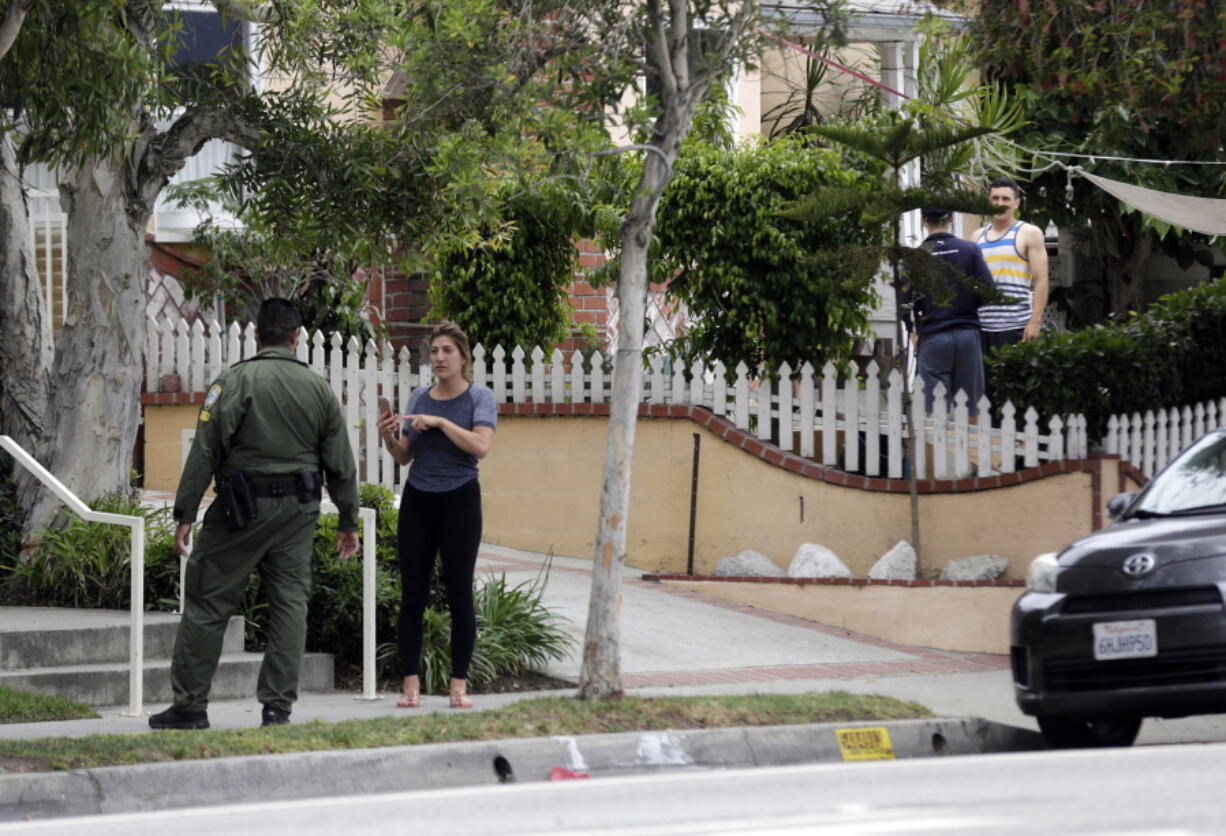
[672, 642]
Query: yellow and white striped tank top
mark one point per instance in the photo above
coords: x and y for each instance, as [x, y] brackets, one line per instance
[1011, 273]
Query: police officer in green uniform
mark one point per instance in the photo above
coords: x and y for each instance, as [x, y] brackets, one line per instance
[269, 432]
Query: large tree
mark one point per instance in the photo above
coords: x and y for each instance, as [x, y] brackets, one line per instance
[103, 72]
[1101, 78]
[684, 47]
[66, 81]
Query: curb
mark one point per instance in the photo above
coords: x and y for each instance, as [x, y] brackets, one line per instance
[161, 786]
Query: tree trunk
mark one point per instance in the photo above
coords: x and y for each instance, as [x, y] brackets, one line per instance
[25, 330]
[600, 676]
[1124, 273]
[95, 404]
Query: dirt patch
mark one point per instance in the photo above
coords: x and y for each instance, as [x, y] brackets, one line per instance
[9, 765]
[532, 681]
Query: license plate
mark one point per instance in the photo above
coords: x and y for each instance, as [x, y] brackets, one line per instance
[1125, 639]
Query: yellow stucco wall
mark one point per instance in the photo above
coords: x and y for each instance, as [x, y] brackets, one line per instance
[972, 619]
[164, 427]
[541, 487]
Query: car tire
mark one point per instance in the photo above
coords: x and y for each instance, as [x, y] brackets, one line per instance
[1071, 732]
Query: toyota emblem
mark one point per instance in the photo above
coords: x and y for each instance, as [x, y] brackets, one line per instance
[1141, 563]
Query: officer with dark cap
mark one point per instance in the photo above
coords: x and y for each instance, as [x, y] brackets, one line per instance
[269, 433]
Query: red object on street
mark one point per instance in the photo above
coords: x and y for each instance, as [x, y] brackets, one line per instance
[559, 773]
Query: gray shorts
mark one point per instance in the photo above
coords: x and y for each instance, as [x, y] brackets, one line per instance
[953, 357]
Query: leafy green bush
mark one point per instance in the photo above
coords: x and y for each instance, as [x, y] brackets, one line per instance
[1173, 354]
[757, 283]
[86, 564]
[513, 292]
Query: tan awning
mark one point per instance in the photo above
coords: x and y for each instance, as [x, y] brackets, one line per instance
[1199, 214]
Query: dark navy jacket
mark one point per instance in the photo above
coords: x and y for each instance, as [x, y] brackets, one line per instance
[963, 309]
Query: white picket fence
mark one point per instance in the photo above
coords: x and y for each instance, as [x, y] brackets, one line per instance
[1152, 439]
[859, 427]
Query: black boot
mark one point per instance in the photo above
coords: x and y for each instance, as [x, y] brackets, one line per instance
[274, 716]
[174, 718]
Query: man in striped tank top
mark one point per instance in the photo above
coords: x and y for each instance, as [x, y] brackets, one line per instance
[1017, 257]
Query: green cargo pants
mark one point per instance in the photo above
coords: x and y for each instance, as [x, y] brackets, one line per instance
[278, 544]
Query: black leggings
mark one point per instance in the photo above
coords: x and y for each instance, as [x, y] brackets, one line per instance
[448, 524]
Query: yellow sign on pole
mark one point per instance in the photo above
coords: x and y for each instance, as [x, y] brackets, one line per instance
[866, 744]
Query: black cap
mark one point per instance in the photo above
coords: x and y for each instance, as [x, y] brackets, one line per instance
[935, 212]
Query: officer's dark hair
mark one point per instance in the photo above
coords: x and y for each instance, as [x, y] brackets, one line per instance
[277, 321]
[1006, 183]
[457, 336]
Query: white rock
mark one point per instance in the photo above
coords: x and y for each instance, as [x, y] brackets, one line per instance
[981, 567]
[814, 561]
[898, 564]
[748, 564]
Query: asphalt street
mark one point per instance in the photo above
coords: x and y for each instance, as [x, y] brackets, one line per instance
[673, 642]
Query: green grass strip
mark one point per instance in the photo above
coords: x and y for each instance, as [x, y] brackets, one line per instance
[530, 718]
[24, 707]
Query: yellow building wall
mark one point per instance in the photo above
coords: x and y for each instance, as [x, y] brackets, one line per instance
[540, 486]
[164, 426]
[969, 619]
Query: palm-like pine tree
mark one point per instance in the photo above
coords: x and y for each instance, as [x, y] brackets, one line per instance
[913, 271]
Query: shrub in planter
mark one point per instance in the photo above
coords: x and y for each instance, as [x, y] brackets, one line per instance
[88, 565]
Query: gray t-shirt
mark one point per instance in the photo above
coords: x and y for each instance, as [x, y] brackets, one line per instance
[439, 465]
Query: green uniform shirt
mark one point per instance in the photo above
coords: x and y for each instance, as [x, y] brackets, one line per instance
[271, 415]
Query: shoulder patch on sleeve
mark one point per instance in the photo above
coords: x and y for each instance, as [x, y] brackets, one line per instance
[212, 396]
[205, 416]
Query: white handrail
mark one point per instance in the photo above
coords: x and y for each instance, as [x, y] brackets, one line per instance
[136, 641]
[368, 516]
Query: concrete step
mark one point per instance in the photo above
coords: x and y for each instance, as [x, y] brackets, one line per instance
[107, 684]
[35, 637]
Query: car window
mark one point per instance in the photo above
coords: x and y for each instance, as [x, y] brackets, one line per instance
[1196, 479]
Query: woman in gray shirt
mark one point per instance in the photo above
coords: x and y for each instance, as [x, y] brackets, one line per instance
[445, 430]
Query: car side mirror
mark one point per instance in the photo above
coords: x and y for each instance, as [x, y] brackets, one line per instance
[1117, 503]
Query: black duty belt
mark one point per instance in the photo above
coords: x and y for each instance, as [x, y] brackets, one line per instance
[306, 486]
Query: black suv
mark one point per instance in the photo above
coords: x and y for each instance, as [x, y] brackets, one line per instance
[1129, 622]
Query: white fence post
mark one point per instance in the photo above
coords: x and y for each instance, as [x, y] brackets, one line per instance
[764, 404]
[740, 394]
[597, 376]
[872, 420]
[785, 406]
[719, 389]
[538, 375]
[851, 421]
[894, 425]
[807, 431]
[830, 415]
[962, 436]
[576, 377]
[940, 431]
[917, 420]
[983, 437]
[557, 377]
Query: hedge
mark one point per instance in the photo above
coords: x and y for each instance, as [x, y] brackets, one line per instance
[1174, 354]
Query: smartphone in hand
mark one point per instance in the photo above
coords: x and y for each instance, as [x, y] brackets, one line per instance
[385, 406]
